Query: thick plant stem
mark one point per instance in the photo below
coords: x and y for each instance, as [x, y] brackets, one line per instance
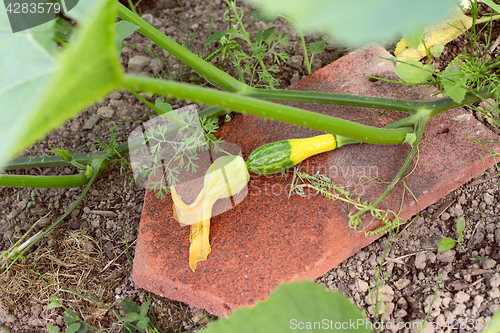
[209, 72]
[336, 99]
[98, 169]
[438, 105]
[76, 180]
[269, 110]
[43, 181]
[473, 96]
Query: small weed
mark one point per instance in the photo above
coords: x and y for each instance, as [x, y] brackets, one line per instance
[430, 305]
[322, 185]
[379, 281]
[137, 317]
[32, 203]
[196, 136]
[448, 243]
[110, 147]
[74, 322]
[249, 61]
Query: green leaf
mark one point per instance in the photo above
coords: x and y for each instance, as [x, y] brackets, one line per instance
[263, 17]
[216, 36]
[63, 29]
[410, 138]
[132, 316]
[64, 155]
[129, 306]
[291, 304]
[317, 47]
[52, 329]
[54, 302]
[73, 328]
[162, 105]
[128, 328]
[89, 171]
[493, 5]
[144, 308]
[454, 82]
[446, 244]
[263, 35]
[412, 71]
[436, 50]
[414, 36]
[460, 225]
[357, 22]
[39, 92]
[143, 323]
[123, 30]
[26, 69]
[70, 317]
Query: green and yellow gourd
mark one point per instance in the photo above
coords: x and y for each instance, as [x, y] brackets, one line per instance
[276, 156]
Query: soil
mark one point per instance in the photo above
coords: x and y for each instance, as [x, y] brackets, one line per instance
[90, 251]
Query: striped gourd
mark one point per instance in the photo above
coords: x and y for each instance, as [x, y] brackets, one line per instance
[275, 157]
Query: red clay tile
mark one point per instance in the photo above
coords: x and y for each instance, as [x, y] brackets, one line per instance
[268, 239]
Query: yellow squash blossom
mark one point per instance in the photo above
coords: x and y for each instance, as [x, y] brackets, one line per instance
[227, 176]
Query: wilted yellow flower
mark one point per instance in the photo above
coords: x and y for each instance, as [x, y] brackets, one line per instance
[227, 176]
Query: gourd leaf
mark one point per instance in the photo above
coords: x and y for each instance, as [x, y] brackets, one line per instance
[39, 91]
[294, 306]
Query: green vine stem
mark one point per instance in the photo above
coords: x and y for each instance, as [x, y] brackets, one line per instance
[43, 181]
[256, 107]
[92, 159]
[419, 131]
[438, 105]
[98, 169]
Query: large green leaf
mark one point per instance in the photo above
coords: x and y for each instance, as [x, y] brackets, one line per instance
[40, 90]
[295, 306]
[357, 22]
[26, 66]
